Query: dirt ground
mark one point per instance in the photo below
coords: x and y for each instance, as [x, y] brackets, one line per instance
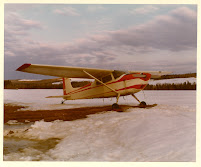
[13, 112]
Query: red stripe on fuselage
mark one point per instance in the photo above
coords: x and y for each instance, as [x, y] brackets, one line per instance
[134, 86]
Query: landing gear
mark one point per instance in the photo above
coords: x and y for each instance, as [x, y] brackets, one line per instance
[115, 106]
[142, 103]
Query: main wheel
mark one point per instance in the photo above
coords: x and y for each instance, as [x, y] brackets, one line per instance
[143, 104]
[115, 106]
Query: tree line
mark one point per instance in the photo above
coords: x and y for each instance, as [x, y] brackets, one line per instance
[173, 86]
[8, 84]
[188, 75]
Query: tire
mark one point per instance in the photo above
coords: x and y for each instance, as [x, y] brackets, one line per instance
[115, 106]
[143, 104]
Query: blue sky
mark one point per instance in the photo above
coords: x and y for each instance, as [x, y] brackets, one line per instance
[124, 37]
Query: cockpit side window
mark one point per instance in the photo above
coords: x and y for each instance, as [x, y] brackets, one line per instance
[98, 83]
[107, 78]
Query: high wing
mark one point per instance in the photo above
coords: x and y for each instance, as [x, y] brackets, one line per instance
[77, 72]
[63, 71]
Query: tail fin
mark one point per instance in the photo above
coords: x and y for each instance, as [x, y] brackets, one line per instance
[67, 87]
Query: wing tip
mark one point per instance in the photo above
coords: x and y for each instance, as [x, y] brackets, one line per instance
[26, 65]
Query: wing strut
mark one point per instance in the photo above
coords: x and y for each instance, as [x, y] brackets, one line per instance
[118, 94]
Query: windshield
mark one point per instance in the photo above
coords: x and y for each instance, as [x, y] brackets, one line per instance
[117, 73]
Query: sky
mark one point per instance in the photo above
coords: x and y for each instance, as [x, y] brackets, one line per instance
[122, 37]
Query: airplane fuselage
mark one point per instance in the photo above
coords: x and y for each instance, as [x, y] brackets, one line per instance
[124, 85]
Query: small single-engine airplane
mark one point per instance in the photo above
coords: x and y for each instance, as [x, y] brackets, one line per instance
[107, 83]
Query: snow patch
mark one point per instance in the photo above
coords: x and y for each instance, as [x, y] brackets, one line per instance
[165, 133]
[138, 134]
[29, 80]
[57, 83]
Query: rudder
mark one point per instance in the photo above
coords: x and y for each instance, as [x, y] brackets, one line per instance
[67, 87]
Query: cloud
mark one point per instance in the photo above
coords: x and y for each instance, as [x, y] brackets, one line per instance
[17, 33]
[144, 10]
[104, 23]
[166, 32]
[144, 44]
[16, 7]
[189, 14]
[175, 31]
[68, 11]
[18, 23]
[16, 28]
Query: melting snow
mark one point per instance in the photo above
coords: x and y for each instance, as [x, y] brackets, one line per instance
[164, 133]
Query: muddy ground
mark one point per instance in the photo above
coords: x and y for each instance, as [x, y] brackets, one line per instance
[13, 112]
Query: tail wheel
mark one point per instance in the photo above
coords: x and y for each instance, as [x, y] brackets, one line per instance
[62, 102]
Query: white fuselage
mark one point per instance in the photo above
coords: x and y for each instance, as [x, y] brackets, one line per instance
[124, 85]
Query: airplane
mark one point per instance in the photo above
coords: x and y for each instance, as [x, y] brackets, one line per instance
[107, 83]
